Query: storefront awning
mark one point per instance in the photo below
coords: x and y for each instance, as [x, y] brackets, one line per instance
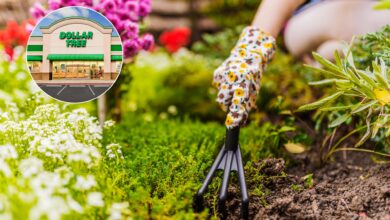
[116, 57]
[95, 57]
[34, 58]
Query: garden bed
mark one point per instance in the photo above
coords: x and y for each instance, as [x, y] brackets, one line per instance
[169, 159]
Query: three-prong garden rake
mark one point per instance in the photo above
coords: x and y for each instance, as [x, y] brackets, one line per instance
[229, 159]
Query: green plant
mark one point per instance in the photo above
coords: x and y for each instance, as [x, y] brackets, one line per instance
[218, 45]
[371, 47]
[364, 96]
[296, 187]
[166, 161]
[308, 180]
[171, 86]
[242, 10]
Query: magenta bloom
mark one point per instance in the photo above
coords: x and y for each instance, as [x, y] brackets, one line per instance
[131, 47]
[144, 9]
[147, 41]
[131, 30]
[123, 14]
[54, 4]
[131, 6]
[37, 11]
[108, 6]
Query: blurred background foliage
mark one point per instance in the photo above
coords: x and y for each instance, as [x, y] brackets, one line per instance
[241, 10]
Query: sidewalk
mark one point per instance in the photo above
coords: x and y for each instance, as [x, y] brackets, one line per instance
[75, 82]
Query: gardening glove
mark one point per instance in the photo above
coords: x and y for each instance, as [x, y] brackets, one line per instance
[238, 78]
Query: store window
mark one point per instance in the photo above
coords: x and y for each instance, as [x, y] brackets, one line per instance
[118, 66]
[78, 70]
[34, 66]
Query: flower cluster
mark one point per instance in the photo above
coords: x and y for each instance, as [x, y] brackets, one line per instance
[14, 35]
[44, 160]
[125, 15]
[175, 39]
[114, 151]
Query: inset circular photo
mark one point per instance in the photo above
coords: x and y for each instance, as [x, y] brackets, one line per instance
[74, 54]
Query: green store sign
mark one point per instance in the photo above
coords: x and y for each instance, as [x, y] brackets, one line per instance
[76, 39]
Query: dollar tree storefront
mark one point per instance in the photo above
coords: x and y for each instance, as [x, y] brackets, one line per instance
[75, 48]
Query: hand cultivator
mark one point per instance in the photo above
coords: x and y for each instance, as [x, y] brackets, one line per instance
[229, 159]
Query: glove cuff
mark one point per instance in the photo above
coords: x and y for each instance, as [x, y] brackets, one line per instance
[255, 44]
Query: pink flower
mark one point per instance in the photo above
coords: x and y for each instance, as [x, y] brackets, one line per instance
[131, 47]
[108, 6]
[147, 41]
[123, 14]
[37, 10]
[131, 30]
[54, 4]
[131, 6]
[144, 9]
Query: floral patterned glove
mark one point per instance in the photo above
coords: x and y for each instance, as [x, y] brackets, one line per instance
[238, 78]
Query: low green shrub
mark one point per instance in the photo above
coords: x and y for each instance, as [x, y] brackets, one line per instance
[166, 161]
[174, 85]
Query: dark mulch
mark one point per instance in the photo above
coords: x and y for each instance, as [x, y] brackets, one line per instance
[348, 188]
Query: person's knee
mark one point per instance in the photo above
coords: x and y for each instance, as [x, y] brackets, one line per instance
[328, 48]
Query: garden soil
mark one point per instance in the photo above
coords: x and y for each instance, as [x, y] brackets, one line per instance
[355, 188]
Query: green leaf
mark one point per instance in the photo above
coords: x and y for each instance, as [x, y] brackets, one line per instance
[350, 59]
[364, 106]
[326, 72]
[327, 64]
[343, 84]
[286, 129]
[320, 102]
[353, 77]
[339, 121]
[322, 82]
[338, 59]
[336, 108]
[381, 80]
[367, 78]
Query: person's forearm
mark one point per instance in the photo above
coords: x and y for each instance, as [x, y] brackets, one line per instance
[272, 14]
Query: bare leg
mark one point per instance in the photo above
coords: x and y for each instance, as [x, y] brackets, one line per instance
[322, 27]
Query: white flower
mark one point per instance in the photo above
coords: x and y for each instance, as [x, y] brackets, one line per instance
[4, 168]
[47, 183]
[85, 183]
[8, 152]
[30, 166]
[51, 207]
[108, 124]
[117, 210]
[95, 199]
[114, 151]
[74, 205]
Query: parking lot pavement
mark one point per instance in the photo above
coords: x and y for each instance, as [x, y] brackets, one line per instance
[74, 92]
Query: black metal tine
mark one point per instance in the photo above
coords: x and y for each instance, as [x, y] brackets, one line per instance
[244, 192]
[226, 174]
[229, 154]
[212, 171]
